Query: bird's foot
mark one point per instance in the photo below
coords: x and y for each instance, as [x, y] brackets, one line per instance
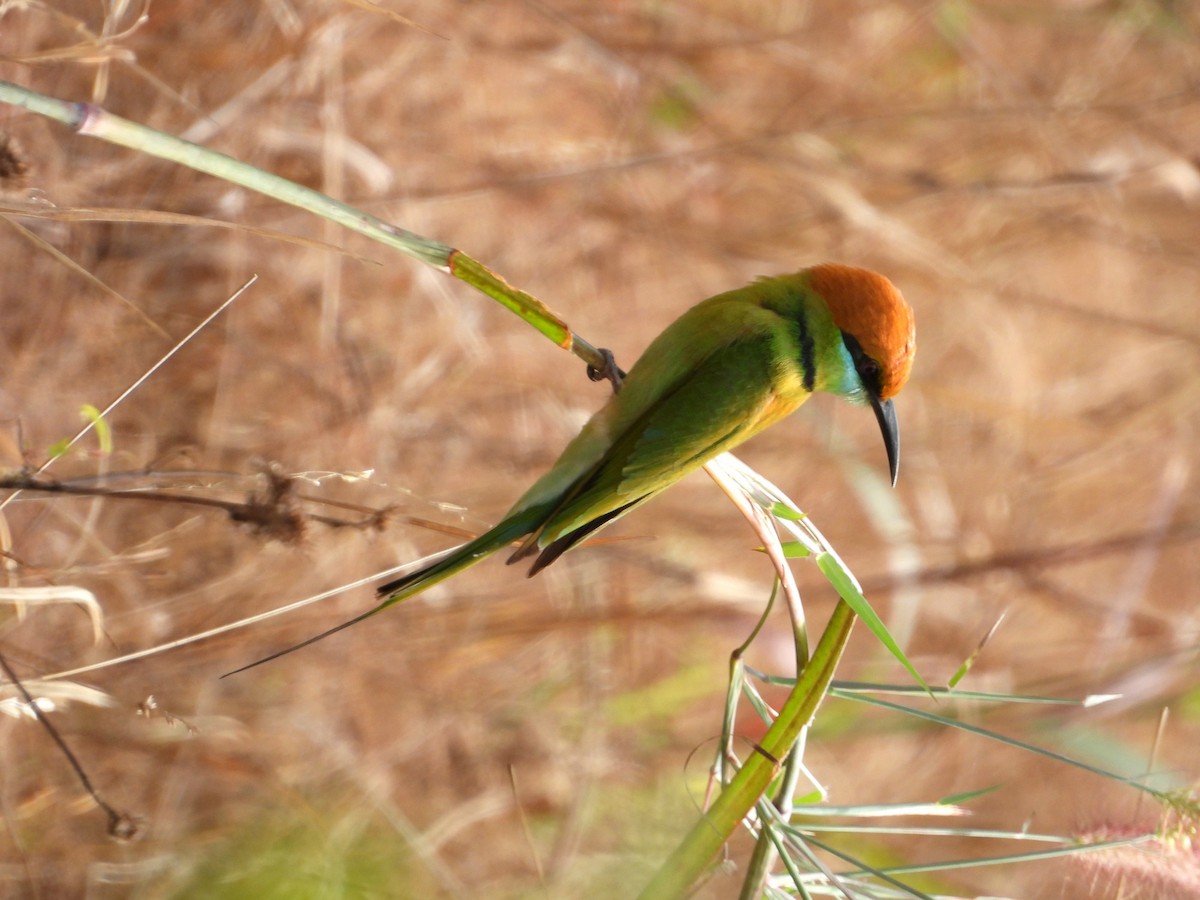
[610, 372]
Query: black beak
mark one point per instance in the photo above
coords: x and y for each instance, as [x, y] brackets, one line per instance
[885, 414]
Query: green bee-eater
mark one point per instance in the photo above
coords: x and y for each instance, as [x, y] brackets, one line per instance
[720, 373]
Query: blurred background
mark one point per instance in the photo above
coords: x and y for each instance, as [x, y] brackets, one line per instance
[1025, 172]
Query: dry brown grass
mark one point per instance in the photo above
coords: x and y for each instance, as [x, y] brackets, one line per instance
[1027, 173]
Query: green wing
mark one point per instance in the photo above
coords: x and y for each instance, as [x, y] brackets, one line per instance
[712, 408]
[671, 359]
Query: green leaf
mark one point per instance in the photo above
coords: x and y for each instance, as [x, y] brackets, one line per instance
[967, 796]
[960, 673]
[58, 448]
[795, 550]
[831, 567]
[783, 511]
[103, 432]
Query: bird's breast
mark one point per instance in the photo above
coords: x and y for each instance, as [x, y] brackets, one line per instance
[779, 405]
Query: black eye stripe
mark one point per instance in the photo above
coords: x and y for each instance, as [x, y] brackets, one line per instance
[868, 370]
[808, 352]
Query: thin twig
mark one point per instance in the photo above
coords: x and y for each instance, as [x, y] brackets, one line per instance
[121, 826]
[269, 513]
[136, 384]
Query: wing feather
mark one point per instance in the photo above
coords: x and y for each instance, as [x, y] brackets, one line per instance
[714, 407]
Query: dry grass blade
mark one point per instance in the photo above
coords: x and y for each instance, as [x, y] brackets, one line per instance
[1026, 176]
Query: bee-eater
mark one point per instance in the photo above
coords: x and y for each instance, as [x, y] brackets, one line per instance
[719, 374]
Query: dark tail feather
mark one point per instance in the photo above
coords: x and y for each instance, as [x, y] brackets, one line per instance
[312, 640]
[402, 588]
[558, 547]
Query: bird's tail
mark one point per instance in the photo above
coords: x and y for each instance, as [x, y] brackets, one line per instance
[450, 563]
[457, 559]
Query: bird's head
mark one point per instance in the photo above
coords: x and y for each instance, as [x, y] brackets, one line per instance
[880, 337]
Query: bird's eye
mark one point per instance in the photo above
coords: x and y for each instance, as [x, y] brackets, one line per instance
[868, 369]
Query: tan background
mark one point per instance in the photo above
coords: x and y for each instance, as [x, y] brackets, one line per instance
[1026, 173]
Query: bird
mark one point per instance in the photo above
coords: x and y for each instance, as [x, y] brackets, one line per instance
[723, 371]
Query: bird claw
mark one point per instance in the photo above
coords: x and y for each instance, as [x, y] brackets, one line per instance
[610, 372]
